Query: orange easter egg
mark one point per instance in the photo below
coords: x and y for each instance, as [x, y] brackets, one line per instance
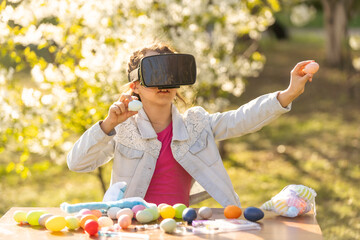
[97, 213]
[232, 211]
[85, 218]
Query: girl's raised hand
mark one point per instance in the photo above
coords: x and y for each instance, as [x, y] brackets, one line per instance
[298, 80]
[118, 113]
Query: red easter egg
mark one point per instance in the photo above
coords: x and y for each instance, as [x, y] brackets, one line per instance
[91, 227]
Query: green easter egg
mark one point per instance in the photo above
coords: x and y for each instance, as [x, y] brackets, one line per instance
[55, 223]
[32, 217]
[144, 216]
[19, 216]
[72, 222]
[179, 208]
[155, 212]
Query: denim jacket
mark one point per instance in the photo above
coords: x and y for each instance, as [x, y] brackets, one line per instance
[134, 147]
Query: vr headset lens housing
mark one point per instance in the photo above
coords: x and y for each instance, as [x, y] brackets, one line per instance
[165, 71]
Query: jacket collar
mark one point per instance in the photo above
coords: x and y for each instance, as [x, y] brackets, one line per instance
[147, 131]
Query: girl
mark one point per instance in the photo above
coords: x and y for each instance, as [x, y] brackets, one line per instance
[163, 156]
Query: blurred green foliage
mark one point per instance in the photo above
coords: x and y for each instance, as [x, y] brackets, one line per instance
[62, 63]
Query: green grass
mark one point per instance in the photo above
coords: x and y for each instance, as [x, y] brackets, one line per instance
[317, 144]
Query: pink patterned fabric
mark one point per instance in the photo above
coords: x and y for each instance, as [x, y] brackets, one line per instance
[170, 182]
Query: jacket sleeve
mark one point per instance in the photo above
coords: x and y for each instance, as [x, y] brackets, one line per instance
[93, 149]
[248, 118]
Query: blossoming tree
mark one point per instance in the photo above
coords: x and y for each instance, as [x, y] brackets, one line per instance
[62, 62]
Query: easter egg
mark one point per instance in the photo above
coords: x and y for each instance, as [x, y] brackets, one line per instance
[205, 212]
[280, 206]
[189, 214]
[126, 211]
[111, 212]
[96, 212]
[32, 217]
[85, 211]
[168, 225]
[137, 208]
[91, 227]
[161, 205]
[43, 218]
[179, 208]
[253, 214]
[124, 221]
[105, 222]
[312, 67]
[72, 222]
[292, 212]
[85, 218]
[144, 216]
[55, 223]
[135, 105]
[232, 211]
[155, 212]
[19, 216]
[167, 212]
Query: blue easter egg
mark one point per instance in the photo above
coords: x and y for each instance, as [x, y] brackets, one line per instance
[292, 212]
[253, 214]
[189, 214]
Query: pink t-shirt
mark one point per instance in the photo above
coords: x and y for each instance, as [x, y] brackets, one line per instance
[170, 183]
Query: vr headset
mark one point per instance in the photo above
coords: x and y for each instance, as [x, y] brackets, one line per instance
[165, 71]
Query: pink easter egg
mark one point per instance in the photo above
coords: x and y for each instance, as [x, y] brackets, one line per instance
[85, 211]
[312, 68]
[124, 221]
[137, 208]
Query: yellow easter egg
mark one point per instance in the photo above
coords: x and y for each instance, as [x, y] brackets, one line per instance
[280, 206]
[19, 216]
[55, 223]
[167, 212]
[32, 217]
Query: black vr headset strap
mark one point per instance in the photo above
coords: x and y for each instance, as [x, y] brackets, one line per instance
[133, 75]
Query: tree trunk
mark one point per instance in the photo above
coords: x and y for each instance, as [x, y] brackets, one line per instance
[101, 179]
[336, 17]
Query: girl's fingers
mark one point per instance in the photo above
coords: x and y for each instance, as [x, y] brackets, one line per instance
[120, 106]
[134, 98]
[299, 66]
[126, 98]
[115, 108]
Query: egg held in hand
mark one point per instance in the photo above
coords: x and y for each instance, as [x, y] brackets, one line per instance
[312, 68]
[135, 105]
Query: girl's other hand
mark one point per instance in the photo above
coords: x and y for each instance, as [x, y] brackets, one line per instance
[118, 113]
[298, 80]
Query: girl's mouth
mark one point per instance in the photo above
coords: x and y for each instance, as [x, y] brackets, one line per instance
[163, 91]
